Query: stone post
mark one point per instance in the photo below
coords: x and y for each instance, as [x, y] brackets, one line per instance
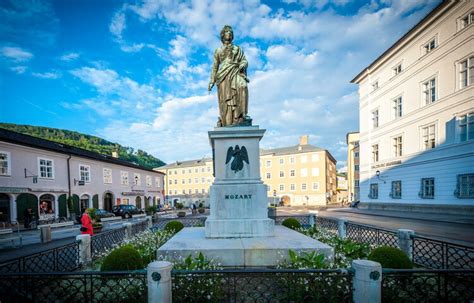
[312, 220]
[341, 227]
[128, 230]
[150, 221]
[159, 281]
[405, 241]
[85, 254]
[367, 281]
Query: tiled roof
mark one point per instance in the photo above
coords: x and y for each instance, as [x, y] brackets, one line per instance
[187, 163]
[296, 149]
[26, 140]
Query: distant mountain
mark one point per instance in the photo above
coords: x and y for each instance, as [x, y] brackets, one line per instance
[91, 143]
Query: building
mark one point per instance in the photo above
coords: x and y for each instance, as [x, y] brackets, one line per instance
[342, 197]
[188, 181]
[417, 117]
[41, 174]
[296, 175]
[353, 165]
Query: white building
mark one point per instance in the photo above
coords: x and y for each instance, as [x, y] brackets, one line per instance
[417, 117]
[36, 172]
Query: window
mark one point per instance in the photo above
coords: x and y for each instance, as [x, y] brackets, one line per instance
[282, 161]
[304, 172]
[170, 182]
[466, 72]
[196, 180]
[356, 183]
[467, 20]
[282, 187]
[396, 190]
[190, 171]
[183, 181]
[292, 187]
[269, 176]
[315, 171]
[466, 127]
[5, 166]
[203, 180]
[202, 169]
[190, 181]
[375, 118]
[465, 186]
[208, 169]
[292, 160]
[157, 182]
[428, 137]
[176, 181]
[429, 91]
[149, 181]
[137, 179]
[196, 191]
[375, 153]
[397, 69]
[107, 175]
[184, 191]
[375, 85]
[315, 186]
[124, 178]
[196, 170]
[428, 47]
[374, 191]
[268, 163]
[208, 180]
[282, 174]
[170, 192]
[303, 186]
[356, 167]
[356, 154]
[397, 107]
[427, 188]
[183, 171]
[314, 158]
[268, 188]
[46, 168]
[292, 173]
[304, 159]
[397, 146]
[190, 191]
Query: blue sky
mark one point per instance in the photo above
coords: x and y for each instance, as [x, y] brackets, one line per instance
[136, 72]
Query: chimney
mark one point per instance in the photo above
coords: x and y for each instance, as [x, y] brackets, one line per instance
[304, 140]
[114, 154]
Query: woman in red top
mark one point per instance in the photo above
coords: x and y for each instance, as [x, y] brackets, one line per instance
[86, 223]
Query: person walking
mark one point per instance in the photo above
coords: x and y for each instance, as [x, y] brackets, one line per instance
[86, 222]
[27, 217]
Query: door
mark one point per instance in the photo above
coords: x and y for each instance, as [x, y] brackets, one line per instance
[95, 201]
[25, 201]
[62, 204]
[4, 208]
[138, 202]
[108, 201]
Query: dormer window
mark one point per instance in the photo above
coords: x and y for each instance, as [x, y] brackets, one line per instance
[467, 20]
[430, 46]
[397, 69]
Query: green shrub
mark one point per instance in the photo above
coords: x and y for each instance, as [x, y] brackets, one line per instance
[291, 223]
[151, 209]
[179, 205]
[390, 257]
[174, 226]
[122, 258]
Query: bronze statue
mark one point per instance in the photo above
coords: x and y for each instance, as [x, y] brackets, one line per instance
[229, 72]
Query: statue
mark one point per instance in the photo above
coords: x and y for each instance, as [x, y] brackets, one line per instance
[229, 72]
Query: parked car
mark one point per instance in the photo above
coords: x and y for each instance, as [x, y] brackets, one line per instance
[102, 213]
[126, 211]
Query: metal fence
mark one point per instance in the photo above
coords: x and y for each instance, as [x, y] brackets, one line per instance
[263, 285]
[125, 286]
[139, 227]
[304, 220]
[187, 222]
[406, 285]
[63, 258]
[106, 240]
[327, 223]
[371, 235]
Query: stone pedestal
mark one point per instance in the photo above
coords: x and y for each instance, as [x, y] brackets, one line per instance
[238, 196]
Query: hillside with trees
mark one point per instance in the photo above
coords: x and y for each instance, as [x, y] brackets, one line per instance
[91, 143]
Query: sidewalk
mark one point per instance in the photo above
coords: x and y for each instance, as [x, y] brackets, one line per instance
[432, 217]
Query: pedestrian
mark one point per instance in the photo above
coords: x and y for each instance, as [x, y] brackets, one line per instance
[86, 222]
[194, 208]
[27, 217]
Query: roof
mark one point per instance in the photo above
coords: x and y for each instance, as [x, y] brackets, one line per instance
[187, 163]
[404, 37]
[295, 149]
[30, 141]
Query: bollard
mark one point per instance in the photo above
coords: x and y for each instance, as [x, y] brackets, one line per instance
[85, 255]
[312, 220]
[159, 281]
[341, 227]
[150, 221]
[405, 242]
[367, 281]
[128, 230]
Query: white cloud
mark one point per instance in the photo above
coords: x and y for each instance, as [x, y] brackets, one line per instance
[19, 69]
[69, 57]
[47, 75]
[16, 54]
[118, 24]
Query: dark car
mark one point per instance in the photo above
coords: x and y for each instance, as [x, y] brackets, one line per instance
[102, 213]
[126, 211]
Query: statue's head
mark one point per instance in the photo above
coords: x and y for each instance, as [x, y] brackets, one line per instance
[227, 28]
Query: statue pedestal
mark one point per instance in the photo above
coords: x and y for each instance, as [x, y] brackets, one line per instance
[238, 196]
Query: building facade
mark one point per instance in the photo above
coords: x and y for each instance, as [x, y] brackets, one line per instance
[342, 196]
[417, 116]
[41, 174]
[295, 175]
[353, 166]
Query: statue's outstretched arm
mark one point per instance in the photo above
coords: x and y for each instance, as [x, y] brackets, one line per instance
[215, 67]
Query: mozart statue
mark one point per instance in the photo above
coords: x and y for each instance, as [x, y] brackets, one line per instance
[229, 72]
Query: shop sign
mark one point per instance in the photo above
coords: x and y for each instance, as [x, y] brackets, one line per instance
[387, 164]
[14, 190]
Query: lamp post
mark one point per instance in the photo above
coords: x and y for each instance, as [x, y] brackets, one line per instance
[307, 202]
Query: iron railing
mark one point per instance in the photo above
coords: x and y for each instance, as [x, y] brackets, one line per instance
[59, 259]
[106, 240]
[262, 285]
[187, 222]
[121, 286]
[139, 227]
[431, 253]
[328, 224]
[408, 285]
[371, 235]
[304, 220]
